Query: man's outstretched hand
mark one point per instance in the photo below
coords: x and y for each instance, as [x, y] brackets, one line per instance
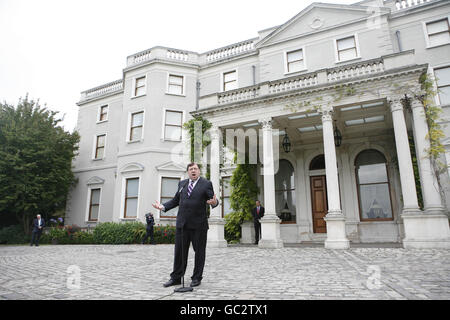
[212, 201]
[157, 205]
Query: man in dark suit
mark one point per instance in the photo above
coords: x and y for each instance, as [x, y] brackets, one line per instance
[192, 197]
[38, 226]
[257, 213]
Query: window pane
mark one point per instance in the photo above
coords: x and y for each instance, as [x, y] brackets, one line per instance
[172, 133]
[173, 118]
[226, 187]
[230, 86]
[169, 187]
[140, 82]
[140, 91]
[444, 95]
[132, 187]
[373, 173]
[285, 205]
[347, 54]
[94, 212]
[99, 153]
[101, 141]
[230, 76]
[439, 38]
[95, 196]
[296, 66]
[136, 134]
[137, 119]
[346, 43]
[437, 26]
[226, 206]
[295, 55]
[318, 163]
[171, 213]
[375, 201]
[131, 208]
[442, 76]
[175, 89]
[176, 80]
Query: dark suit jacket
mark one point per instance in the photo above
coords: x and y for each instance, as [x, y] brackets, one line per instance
[35, 225]
[192, 210]
[261, 214]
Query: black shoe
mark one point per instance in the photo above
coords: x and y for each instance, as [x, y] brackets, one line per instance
[195, 283]
[37, 245]
[171, 282]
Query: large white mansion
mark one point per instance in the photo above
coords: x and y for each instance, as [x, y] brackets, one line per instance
[340, 82]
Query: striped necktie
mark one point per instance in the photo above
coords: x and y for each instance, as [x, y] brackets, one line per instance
[191, 186]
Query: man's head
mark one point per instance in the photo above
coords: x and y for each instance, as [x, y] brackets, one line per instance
[193, 171]
[38, 216]
[258, 203]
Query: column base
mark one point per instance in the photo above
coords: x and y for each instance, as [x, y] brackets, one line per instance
[247, 233]
[336, 235]
[424, 230]
[216, 233]
[270, 232]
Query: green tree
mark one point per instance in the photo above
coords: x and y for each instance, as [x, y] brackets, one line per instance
[35, 162]
[242, 200]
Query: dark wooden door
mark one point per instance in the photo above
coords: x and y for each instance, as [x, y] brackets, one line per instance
[319, 203]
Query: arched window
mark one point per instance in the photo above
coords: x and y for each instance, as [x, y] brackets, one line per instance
[373, 186]
[285, 192]
[318, 163]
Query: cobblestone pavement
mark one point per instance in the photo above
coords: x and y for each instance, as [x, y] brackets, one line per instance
[237, 272]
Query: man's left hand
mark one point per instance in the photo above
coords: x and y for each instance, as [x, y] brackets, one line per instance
[212, 201]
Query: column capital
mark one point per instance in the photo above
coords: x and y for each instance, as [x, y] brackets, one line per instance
[215, 132]
[327, 113]
[266, 123]
[416, 103]
[395, 104]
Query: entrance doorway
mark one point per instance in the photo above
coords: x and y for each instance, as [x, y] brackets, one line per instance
[319, 203]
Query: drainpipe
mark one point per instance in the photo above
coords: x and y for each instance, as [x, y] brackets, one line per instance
[198, 95]
[397, 34]
[254, 74]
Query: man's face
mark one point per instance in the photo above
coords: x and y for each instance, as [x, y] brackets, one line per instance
[194, 172]
[38, 216]
[257, 203]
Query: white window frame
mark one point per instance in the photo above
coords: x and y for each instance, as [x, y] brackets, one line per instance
[130, 113]
[425, 31]
[336, 53]
[122, 196]
[94, 149]
[163, 126]
[161, 176]
[183, 91]
[88, 204]
[437, 98]
[222, 78]
[133, 86]
[285, 56]
[99, 112]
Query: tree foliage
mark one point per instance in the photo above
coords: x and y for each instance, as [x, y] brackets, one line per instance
[35, 161]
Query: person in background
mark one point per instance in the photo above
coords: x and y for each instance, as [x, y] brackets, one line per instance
[38, 226]
[150, 223]
[257, 213]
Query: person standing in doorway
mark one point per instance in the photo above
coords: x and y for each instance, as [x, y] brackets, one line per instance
[257, 213]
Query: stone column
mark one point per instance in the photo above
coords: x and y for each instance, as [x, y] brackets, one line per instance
[216, 232]
[430, 229]
[336, 236]
[270, 223]
[408, 184]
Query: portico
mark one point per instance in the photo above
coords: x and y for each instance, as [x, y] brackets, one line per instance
[361, 191]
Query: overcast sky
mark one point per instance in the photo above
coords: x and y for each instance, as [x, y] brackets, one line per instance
[54, 49]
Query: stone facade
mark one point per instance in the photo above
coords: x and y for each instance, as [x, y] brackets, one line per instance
[331, 67]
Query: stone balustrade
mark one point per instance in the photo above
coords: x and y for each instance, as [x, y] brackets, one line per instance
[238, 94]
[293, 83]
[229, 51]
[355, 70]
[108, 88]
[405, 4]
